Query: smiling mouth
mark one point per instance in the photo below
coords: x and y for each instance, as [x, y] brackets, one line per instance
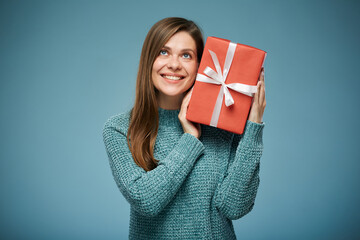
[176, 78]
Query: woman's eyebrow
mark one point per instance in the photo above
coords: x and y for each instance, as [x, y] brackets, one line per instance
[188, 50]
[182, 50]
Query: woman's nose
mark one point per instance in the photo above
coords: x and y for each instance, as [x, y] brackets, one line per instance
[174, 63]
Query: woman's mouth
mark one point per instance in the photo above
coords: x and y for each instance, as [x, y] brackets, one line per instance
[172, 77]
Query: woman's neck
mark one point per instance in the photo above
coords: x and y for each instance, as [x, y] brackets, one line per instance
[169, 102]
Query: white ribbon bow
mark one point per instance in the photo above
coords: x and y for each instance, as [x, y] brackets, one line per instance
[219, 78]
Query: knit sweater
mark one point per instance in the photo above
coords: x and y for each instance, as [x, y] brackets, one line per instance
[199, 185]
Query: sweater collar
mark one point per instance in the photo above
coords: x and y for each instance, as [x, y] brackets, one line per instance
[168, 117]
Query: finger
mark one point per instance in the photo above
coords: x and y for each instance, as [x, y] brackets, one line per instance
[190, 92]
[262, 74]
[262, 80]
[185, 102]
[183, 106]
[262, 93]
[187, 99]
[261, 71]
[259, 87]
[188, 96]
[256, 96]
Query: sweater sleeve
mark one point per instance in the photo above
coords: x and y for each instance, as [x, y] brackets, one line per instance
[235, 197]
[149, 192]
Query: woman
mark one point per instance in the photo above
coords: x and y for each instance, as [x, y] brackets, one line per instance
[182, 180]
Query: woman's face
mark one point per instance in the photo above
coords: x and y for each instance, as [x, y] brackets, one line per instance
[175, 69]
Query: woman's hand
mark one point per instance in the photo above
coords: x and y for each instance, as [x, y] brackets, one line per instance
[188, 127]
[259, 101]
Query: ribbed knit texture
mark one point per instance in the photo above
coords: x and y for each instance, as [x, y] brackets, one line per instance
[199, 185]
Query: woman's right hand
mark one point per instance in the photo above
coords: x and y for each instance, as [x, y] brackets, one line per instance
[188, 127]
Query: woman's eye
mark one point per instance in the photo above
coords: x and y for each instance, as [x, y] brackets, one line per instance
[163, 52]
[186, 55]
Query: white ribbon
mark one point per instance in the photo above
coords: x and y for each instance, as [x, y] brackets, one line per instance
[219, 78]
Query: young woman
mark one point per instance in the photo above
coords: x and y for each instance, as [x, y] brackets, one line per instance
[182, 180]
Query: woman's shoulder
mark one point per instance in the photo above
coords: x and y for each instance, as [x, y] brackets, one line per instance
[119, 122]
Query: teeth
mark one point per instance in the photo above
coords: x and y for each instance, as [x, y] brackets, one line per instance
[172, 77]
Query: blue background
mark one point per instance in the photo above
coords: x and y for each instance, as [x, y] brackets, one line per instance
[67, 66]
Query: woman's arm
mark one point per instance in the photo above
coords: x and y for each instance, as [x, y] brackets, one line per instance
[236, 195]
[149, 192]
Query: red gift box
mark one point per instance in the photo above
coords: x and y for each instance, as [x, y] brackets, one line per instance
[225, 83]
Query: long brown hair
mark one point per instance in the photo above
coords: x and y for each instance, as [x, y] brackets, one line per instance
[144, 120]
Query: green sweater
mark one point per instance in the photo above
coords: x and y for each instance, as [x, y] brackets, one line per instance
[199, 185]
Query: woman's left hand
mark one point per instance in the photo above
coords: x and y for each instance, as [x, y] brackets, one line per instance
[259, 101]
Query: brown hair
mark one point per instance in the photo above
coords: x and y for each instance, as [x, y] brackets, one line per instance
[144, 120]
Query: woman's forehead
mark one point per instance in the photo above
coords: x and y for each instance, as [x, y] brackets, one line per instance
[181, 41]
